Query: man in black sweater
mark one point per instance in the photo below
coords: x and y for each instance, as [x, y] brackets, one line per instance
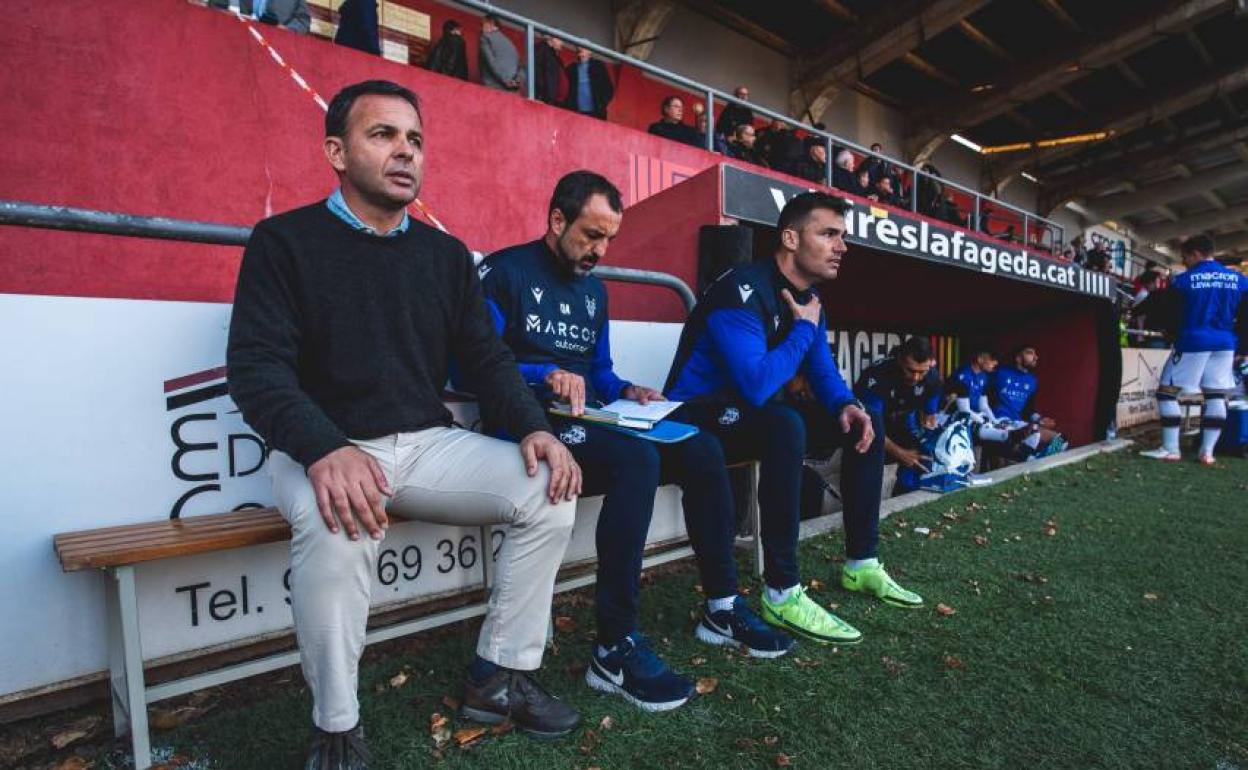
[552, 312]
[672, 125]
[346, 315]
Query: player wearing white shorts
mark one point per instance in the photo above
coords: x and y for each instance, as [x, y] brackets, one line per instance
[1205, 299]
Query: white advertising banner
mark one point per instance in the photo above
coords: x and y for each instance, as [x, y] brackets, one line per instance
[1137, 399]
[116, 412]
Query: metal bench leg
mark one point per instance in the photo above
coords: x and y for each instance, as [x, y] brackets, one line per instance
[756, 516]
[487, 557]
[129, 693]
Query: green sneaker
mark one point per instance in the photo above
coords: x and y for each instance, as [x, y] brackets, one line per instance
[874, 580]
[803, 616]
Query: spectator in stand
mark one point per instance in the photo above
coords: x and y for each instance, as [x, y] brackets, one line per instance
[291, 14]
[1097, 258]
[734, 115]
[704, 123]
[741, 144]
[498, 59]
[589, 85]
[357, 26]
[449, 55]
[780, 148]
[884, 193]
[813, 167]
[878, 167]
[673, 127]
[862, 184]
[548, 69]
[843, 172]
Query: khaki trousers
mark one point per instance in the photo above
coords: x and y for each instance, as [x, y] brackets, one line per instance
[442, 475]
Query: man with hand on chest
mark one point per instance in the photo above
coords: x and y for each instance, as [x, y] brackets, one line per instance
[754, 330]
[552, 312]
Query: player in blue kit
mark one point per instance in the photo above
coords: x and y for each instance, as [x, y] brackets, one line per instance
[552, 312]
[970, 382]
[1205, 299]
[754, 330]
[905, 390]
[1012, 392]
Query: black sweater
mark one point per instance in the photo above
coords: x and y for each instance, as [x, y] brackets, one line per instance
[337, 333]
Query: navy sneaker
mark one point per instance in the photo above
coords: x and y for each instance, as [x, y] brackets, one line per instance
[741, 627]
[640, 676]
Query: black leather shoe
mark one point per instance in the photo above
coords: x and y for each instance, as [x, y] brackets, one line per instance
[338, 751]
[517, 696]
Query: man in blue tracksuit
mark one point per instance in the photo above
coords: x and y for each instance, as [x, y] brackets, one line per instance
[1205, 299]
[970, 382]
[754, 330]
[552, 311]
[905, 389]
[1012, 393]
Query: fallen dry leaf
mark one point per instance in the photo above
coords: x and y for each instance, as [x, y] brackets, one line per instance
[565, 624]
[398, 680]
[981, 540]
[894, 667]
[167, 719]
[953, 662]
[607, 723]
[1150, 596]
[697, 660]
[451, 702]
[945, 609]
[76, 730]
[782, 760]
[706, 685]
[66, 737]
[502, 728]
[439, 729]
[75, 763]
[816, 585]
[771, 740]
[591, 742]
[467, 736]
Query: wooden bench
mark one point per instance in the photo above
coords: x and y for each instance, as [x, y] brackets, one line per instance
[117, 550]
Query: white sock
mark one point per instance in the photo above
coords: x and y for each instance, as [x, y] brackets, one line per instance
[1033, 440]
[1171, 421]
[603, 651]
[1212, 418]
[963, 405]
[858, 563]
[780, 595]
[720, 605]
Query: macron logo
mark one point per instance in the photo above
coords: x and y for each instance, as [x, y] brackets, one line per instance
[745, 290]
[483, 270]
[532, 323]
[537, 293]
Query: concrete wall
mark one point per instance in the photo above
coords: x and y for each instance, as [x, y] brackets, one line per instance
[863, 120]
[710, 53]
[590, 19]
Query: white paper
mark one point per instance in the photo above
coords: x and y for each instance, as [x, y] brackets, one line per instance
[653, 411]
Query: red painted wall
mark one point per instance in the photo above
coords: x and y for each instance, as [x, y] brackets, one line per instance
[169, 109]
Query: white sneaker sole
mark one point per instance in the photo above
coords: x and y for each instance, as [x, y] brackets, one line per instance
[602, 685]
[1165, 457]
[710, 636]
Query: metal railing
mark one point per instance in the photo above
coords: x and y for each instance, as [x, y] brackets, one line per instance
[1031, 223]
[73, 219]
